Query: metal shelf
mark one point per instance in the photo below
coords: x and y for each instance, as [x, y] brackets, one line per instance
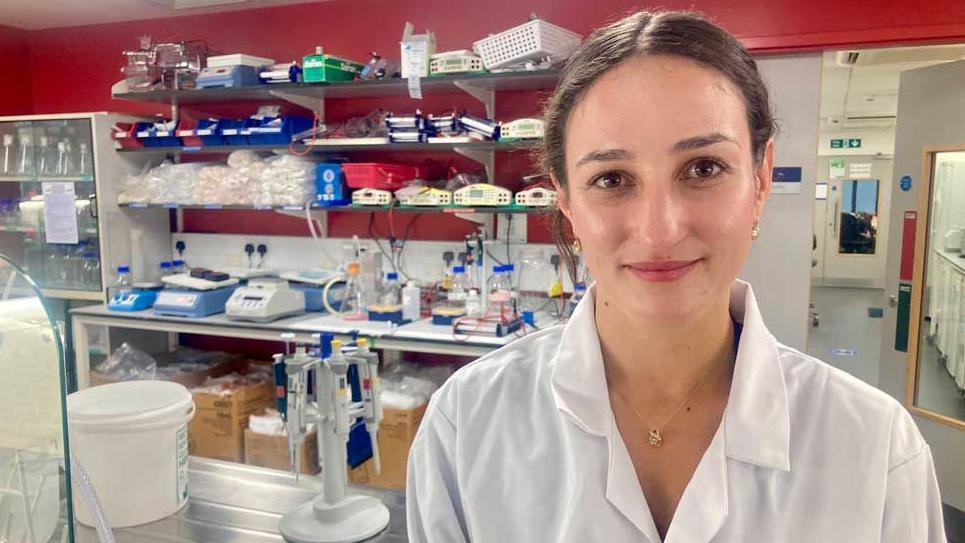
[351, 208]
[33, 230]
[69, 294]
[421, 336]
[334, 147]
[41, 179]
[448, 84]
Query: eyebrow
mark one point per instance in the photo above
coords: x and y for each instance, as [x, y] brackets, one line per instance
[702, 140]
[689, 144]
[603, 155]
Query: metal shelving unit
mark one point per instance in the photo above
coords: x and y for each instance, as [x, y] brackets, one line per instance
[349, 208]
[334, 146]
[478, 83]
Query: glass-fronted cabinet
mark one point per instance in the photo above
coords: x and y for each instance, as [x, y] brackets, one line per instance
[46, 214]
[53, 168]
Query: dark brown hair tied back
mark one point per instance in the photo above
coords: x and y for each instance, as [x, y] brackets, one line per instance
[680, 33]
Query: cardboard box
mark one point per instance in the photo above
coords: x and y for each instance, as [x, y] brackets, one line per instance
[271, 451]
[218, 427]
[396, 434]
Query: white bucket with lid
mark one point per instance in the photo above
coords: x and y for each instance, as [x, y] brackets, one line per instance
[132, 440]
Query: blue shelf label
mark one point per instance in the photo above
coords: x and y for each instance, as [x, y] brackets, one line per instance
[213, 206]
[139, 206]
[262, 207]
[170, 206]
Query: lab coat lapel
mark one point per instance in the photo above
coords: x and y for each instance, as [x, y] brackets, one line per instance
[580, 391]
[623, 489]
[704, 505]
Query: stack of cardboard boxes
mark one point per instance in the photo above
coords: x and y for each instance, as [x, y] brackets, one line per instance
[220, 430]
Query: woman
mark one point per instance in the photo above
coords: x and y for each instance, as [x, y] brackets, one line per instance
[664, 410]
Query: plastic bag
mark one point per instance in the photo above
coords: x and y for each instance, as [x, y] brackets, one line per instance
[139, 188]
[408, 385]
[285, 180]
[128, 364]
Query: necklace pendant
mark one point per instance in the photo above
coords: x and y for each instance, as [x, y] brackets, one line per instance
[655, 438]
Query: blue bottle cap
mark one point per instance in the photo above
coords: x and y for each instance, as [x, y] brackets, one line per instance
[179, 263]
[391, 275]
[165, 264]
[459, 269]
[123, 269]
[508, 268]
[579, 287]
[497, 269]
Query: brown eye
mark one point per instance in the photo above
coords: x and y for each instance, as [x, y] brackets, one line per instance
[609, 180]
[704, 169]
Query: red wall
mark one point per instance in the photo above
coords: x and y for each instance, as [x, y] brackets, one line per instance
[72, 69]
[15, 75]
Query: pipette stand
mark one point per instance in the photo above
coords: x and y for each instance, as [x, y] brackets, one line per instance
[335, 516]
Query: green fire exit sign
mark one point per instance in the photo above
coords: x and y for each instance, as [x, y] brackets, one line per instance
[846, 143]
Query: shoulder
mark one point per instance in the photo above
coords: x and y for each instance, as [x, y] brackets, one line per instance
[825, 399]
[515, 372]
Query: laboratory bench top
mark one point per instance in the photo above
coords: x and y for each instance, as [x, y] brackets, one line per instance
[242, 504]
[386, 334]
[954, 258]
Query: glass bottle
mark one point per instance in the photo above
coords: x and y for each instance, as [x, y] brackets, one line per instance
[84, 160]
[353, 303]
[9, 156]
[391, 296]
[25, 162]
[121, 283]
[500, 290]
[458, 290]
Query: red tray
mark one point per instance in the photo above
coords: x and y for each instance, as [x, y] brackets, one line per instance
[377, 175]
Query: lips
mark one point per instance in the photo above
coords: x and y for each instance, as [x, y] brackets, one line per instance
[662, 271]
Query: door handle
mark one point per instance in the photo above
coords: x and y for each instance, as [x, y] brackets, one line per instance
[835, 223]
[893, 300]
[92, 209]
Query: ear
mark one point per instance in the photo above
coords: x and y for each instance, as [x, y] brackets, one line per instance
[562, 198]
[765, 173]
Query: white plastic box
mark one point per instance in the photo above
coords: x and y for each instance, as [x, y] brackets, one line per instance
[530, 41]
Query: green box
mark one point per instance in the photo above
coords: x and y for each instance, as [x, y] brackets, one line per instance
[327, 68]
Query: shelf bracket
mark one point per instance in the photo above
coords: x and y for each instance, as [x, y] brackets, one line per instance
[320, 216]
[314, 103]
[486, 157]
[486, 96]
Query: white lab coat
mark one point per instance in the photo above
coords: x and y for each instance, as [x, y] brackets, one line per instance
[521, 446]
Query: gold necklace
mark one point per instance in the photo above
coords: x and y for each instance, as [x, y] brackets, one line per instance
[655, 436]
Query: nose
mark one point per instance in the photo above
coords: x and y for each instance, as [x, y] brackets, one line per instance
[662, 219]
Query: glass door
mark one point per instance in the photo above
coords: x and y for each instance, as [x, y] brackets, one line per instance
[939, 353]
[34, 476]
[48, 218]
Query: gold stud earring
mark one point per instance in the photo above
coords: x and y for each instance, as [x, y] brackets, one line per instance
[755, 231]
[577, 246]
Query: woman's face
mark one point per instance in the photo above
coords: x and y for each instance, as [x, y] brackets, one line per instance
[662, 188]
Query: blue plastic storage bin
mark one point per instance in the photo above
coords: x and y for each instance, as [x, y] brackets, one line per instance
[232, 131]
[277, 131]
[209, 132]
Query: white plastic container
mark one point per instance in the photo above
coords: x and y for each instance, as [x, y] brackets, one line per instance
[239, 59]
[530, 41]
[132, 440]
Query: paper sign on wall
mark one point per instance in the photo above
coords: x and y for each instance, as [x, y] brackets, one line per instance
[860, 170]
[786, 180]
[836, 168]
[60, 214]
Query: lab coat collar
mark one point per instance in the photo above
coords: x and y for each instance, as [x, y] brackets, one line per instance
[756, 421]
